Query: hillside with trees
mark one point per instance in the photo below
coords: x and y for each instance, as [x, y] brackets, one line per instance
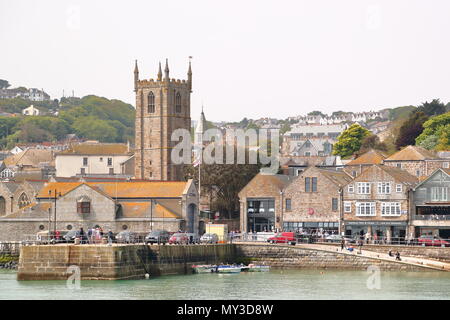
[90, 117]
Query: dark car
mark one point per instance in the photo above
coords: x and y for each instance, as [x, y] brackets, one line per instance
[157, 236]
[127, 237]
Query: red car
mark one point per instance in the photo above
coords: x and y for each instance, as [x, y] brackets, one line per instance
[433, 241]
[179, 238]
[283, 237]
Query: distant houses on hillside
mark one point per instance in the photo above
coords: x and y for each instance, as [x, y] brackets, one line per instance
[32, 94]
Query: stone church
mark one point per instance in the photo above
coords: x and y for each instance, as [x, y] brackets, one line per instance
[162, 106]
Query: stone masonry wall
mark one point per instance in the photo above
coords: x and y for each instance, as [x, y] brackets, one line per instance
[292, 257]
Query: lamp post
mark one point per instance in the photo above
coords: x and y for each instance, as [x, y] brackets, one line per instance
[55, 197]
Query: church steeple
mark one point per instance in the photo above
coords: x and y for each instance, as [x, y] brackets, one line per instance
[136, 76]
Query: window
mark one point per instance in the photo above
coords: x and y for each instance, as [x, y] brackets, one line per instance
[390, 209]
[2, 206]
[82, 171]
[399, 165]
[439, 194]
[23, 200]
[354, 173]
[111, 170]
[151, 103]
[84, 205]
[445, 165]
[384, 187]
[418, 173]
[363, 187]
[351, 188]
[347, 206]
[307, 184]
[288, 204]
[398, 187]
[178, 103]
[307, 154]
[109, 161]
[314, 184]
[365, 208]
[334, 204]
[85, 161]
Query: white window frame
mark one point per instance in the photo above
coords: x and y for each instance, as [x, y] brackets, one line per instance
[439, 194]
[391, 209]
[347, 206]
[446, 165]
[351, 188]
[363, 187]
[398, 187]
[384, 187]
[364, 209]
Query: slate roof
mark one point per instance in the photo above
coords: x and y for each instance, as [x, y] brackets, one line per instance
[412, 153]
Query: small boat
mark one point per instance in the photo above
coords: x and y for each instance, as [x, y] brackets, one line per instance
[257, 268]
[228, 269]
[204, 268]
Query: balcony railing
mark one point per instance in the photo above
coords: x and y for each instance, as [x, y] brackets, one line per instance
[433, 217]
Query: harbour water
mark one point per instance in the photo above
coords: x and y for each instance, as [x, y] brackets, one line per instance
[276, 284]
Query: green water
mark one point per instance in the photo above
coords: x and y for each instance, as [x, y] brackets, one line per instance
[276, 284]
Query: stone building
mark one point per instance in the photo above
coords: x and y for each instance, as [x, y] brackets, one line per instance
[261, 203]
[29, 164]
[313, 200]
[377, 201]
[162, 106]
[17, 195]
[431, 206]
[138, 206]
[418, 161]
[368, 159]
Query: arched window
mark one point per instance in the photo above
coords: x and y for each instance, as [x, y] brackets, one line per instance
[151, 103]
[178, 103]
[23, 200]
[2, 206]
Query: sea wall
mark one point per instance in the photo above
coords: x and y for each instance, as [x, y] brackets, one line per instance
[9, 255]
[103, 262]
[435, 253]
[290, 257]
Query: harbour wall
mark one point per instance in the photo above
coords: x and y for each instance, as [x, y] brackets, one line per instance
[434, 253]
[117, 262]
[9, 255]
[291, 257]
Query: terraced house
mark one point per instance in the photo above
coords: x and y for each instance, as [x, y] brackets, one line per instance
[378, 202]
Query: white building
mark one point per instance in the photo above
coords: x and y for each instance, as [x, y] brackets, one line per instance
[92, 158]
[30, 111]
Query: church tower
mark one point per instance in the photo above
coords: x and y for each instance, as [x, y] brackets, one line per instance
[162, 106]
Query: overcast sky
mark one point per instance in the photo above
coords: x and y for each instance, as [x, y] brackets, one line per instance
[250, 58]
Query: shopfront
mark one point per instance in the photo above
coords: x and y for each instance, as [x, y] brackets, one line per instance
[379, 230]
[261, 215]
[311, 227]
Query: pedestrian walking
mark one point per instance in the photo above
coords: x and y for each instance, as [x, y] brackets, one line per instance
[342, 243]
[397, 256]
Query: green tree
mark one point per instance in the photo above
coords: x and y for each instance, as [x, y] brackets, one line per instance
[316, 113]
[433, 108]
[372, 142]
[96, 129]
[410, 129]
[350, 140]
[4, 84]
[435, 127]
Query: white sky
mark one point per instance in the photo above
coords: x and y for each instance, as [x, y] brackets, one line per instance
[251, 58]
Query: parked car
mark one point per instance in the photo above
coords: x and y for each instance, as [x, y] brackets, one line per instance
[338, 238]
[70, 236]
[157, 236]
[193, 238]
[209, 238]
[283, 237]
[432, 241]
[179, 238]
[127, 237]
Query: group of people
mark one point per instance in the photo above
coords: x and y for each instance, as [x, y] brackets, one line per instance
[94, 235]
